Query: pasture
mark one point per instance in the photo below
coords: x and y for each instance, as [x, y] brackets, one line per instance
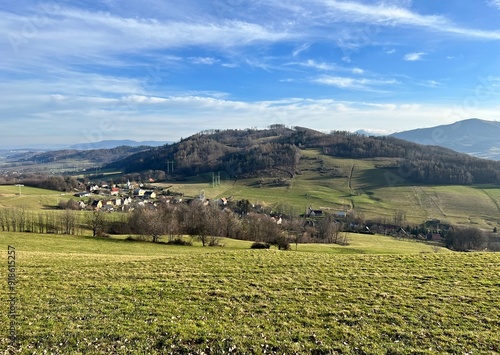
[372, 192]
[98, 296]
[30, 197]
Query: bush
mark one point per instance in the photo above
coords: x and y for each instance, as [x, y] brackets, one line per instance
[179, 241]
[259, 245]
[281, 242]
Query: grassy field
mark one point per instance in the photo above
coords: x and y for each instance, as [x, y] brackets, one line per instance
[375, 193]
[98, 296]
[372, 192]
[30, 197]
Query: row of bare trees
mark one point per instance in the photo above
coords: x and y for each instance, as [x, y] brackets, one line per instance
[206, 223]
[470, 238]
[209, 223]
[25, 220]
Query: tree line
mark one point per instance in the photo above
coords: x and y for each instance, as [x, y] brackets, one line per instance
[52, 222]
[208, 223]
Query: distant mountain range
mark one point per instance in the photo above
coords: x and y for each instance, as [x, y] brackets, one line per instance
[476, 137]
[110, 144]
[105, 144]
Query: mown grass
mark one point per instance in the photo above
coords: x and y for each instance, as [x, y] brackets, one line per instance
[92, 296]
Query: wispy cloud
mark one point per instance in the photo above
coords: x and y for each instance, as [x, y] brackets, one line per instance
[352, 83]
[327, 67]
[412, 57]
[104, 35]
[302, 48]
[389, 15]
[203, 60]
[495, 3]
[431, 83]
[318, 65]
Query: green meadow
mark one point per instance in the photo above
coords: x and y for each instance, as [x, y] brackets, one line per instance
[372, 192]
[30, 197]
[378, 295]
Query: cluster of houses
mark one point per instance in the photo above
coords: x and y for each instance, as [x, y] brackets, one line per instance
[111, 198]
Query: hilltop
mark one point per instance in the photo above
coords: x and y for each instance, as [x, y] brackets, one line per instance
[278, 150]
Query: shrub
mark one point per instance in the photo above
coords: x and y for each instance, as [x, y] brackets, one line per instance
[179, 241]
[281, 242]
[259, 245]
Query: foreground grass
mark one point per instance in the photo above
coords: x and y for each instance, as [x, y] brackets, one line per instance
[97, 297]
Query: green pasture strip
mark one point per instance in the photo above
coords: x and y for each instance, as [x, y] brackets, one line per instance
[94, 296]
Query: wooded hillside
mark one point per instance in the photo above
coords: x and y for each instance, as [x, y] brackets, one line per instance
[276, 151]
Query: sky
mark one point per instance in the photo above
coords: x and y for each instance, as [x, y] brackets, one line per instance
[81, 71]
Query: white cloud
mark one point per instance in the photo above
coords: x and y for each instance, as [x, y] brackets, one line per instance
[390, 15]
[412, 57]
[303, 48]
[318, 65]
[352, 83]
[431, 83]
[103, 36]
[99, 116]
[495, 3]
[203, 60]
[230, 65]
[376, 132]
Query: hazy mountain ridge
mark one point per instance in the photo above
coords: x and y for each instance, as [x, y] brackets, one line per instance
[110, 144]
[97, 156]
[104, 144]
[476, 137]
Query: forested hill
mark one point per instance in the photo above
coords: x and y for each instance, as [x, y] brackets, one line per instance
[276, 152]
[239, 153]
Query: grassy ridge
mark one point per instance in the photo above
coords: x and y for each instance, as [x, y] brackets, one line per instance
[83, 295]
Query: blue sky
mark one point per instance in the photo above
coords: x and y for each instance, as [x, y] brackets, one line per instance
[83, 71]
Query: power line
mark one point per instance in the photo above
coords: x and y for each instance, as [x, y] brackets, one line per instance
[216, 179]
[170, 167]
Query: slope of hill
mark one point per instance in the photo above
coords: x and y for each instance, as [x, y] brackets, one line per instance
[239, 153]
[277, 152]
[476, 137]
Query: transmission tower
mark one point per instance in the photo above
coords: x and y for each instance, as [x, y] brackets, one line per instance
[170, 167]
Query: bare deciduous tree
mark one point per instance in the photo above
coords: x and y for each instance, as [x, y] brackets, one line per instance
[95, 221]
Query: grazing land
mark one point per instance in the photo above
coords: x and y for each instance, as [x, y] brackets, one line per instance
[95, 296]
[30, 198]
[372, 192]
